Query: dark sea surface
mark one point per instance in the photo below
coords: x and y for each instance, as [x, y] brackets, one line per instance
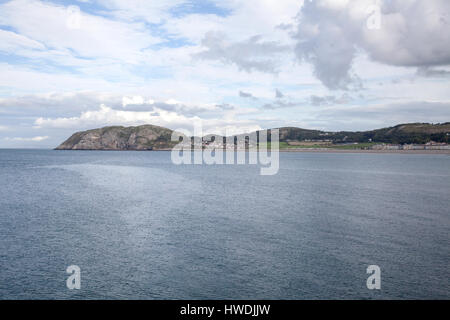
[140, 227]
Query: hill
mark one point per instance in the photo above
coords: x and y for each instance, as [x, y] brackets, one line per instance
[403, 133]
[146, 137]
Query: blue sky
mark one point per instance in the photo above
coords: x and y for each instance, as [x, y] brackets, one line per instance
[238, 65]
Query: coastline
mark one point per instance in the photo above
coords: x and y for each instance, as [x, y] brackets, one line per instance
[306, 150]
[368, 151]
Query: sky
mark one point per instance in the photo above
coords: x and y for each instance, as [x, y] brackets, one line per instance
[235, 65]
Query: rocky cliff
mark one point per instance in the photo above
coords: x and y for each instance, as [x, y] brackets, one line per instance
[146, 137]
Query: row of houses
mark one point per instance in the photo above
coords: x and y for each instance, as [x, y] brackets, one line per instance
[229, 146]
[428, 146]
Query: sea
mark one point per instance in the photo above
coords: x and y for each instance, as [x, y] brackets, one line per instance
[140, 227]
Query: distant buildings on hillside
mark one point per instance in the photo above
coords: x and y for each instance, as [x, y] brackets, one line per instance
[428, 146]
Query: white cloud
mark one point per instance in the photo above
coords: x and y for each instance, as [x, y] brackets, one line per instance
[22, 79]
[11, 41]
[134, 100]
[97, 37]
[106, 116]
[247, 18]
[56, 103]
[132, 10]
[251, 54]
[33, 139]
[172, 101]
[383, 115]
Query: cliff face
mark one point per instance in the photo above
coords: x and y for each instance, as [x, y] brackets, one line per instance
[146, 137]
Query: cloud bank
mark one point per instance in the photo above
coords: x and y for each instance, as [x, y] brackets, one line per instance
[412, 33]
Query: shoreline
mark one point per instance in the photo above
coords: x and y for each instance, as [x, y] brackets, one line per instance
[368, 151]
[300, 150]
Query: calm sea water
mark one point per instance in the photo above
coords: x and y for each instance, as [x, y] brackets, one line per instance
[140, 227]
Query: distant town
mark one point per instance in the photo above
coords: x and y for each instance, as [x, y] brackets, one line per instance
[293, 145]
[428, 146]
